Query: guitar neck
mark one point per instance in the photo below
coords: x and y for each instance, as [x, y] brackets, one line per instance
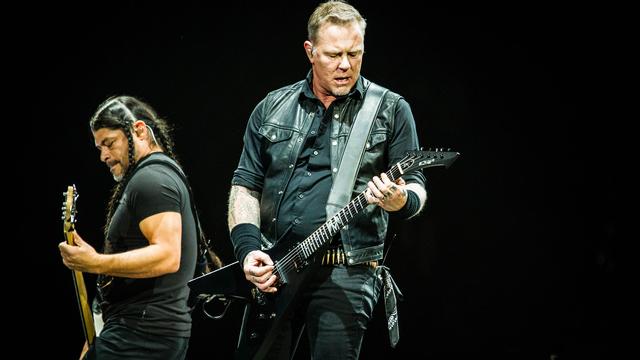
[86, 315]
[306, 248]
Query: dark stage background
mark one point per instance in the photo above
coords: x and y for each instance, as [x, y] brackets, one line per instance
[516, 255]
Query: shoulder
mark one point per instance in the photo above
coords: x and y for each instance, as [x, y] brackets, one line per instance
[287, 90]
[155, 174]
[391, 98]
[280, 100]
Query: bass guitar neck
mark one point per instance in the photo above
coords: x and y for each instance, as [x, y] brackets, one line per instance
[69, 218]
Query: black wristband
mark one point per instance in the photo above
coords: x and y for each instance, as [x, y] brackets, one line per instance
[245, 238]
[410, 208]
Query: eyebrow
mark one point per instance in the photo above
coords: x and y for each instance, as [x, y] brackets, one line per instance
[105, 140]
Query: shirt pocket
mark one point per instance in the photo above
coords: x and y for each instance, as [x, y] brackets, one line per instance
[275, 134]
[373, 161]
[276, 146]
[376, 142]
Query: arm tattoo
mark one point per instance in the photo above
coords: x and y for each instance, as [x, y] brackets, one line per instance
[244, 206]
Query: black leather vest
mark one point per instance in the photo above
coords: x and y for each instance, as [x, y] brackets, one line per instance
[287, 120]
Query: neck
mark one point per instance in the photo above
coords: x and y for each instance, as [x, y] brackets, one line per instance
[143, 154]
[325, 98]
[144, 151]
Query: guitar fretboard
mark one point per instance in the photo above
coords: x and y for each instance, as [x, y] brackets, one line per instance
[306, 248]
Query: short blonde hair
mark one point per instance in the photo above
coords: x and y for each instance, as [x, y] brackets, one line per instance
[335, 12]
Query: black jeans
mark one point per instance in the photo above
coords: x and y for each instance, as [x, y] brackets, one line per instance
[335, 308]
[117, 341]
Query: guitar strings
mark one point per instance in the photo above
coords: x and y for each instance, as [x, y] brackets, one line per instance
[288, 262]
[320, 236]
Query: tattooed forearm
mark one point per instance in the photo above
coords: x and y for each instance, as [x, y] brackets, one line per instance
[244, 206]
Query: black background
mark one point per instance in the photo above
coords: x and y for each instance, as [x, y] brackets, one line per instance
[517, 254]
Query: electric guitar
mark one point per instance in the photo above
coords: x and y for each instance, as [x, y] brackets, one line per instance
[69, 220]
[292, 264]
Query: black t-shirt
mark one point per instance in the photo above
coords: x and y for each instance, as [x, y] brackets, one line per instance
[155, 305]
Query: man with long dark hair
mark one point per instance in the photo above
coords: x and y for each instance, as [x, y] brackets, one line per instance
[150, 238]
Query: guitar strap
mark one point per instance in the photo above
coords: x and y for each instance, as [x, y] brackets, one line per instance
[342, 188]
[344, 180]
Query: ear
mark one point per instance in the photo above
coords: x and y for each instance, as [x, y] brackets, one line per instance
[308, 49]
[139, 128]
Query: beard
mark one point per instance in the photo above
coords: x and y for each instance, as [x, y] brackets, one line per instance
[342, 91]
[118, 176]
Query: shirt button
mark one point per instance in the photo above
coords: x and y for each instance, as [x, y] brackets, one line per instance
[280, 192]
[334, 143]
[296, 221]
[273, 137]
[315, 152]
[335, 169]
[308, 173]
[300, 196]
[290, 166]
[313, 132]
[336, 116]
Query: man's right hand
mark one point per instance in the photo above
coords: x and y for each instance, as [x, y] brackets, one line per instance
[258, 269]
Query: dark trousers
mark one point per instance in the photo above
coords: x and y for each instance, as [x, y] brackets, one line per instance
[335, 308]
[117, 341]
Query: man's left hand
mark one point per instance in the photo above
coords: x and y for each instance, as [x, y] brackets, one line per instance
[387, 194]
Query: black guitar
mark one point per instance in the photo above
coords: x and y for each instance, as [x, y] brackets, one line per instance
[69, 220]
[292, 264]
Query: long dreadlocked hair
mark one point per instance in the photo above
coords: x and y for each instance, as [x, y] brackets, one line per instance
[120, 112]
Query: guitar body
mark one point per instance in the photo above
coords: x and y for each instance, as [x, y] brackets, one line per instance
[293, 263]
[266, 312]
[86, 315]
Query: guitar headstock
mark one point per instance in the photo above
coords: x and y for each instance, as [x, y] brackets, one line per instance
[419, 159]
[69, 208]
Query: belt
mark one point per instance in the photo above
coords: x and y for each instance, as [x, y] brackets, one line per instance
[336, 256]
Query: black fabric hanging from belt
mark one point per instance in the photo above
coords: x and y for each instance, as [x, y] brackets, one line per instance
[392, 294]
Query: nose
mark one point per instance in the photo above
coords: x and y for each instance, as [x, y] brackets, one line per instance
[104, 154]
[344, 62]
